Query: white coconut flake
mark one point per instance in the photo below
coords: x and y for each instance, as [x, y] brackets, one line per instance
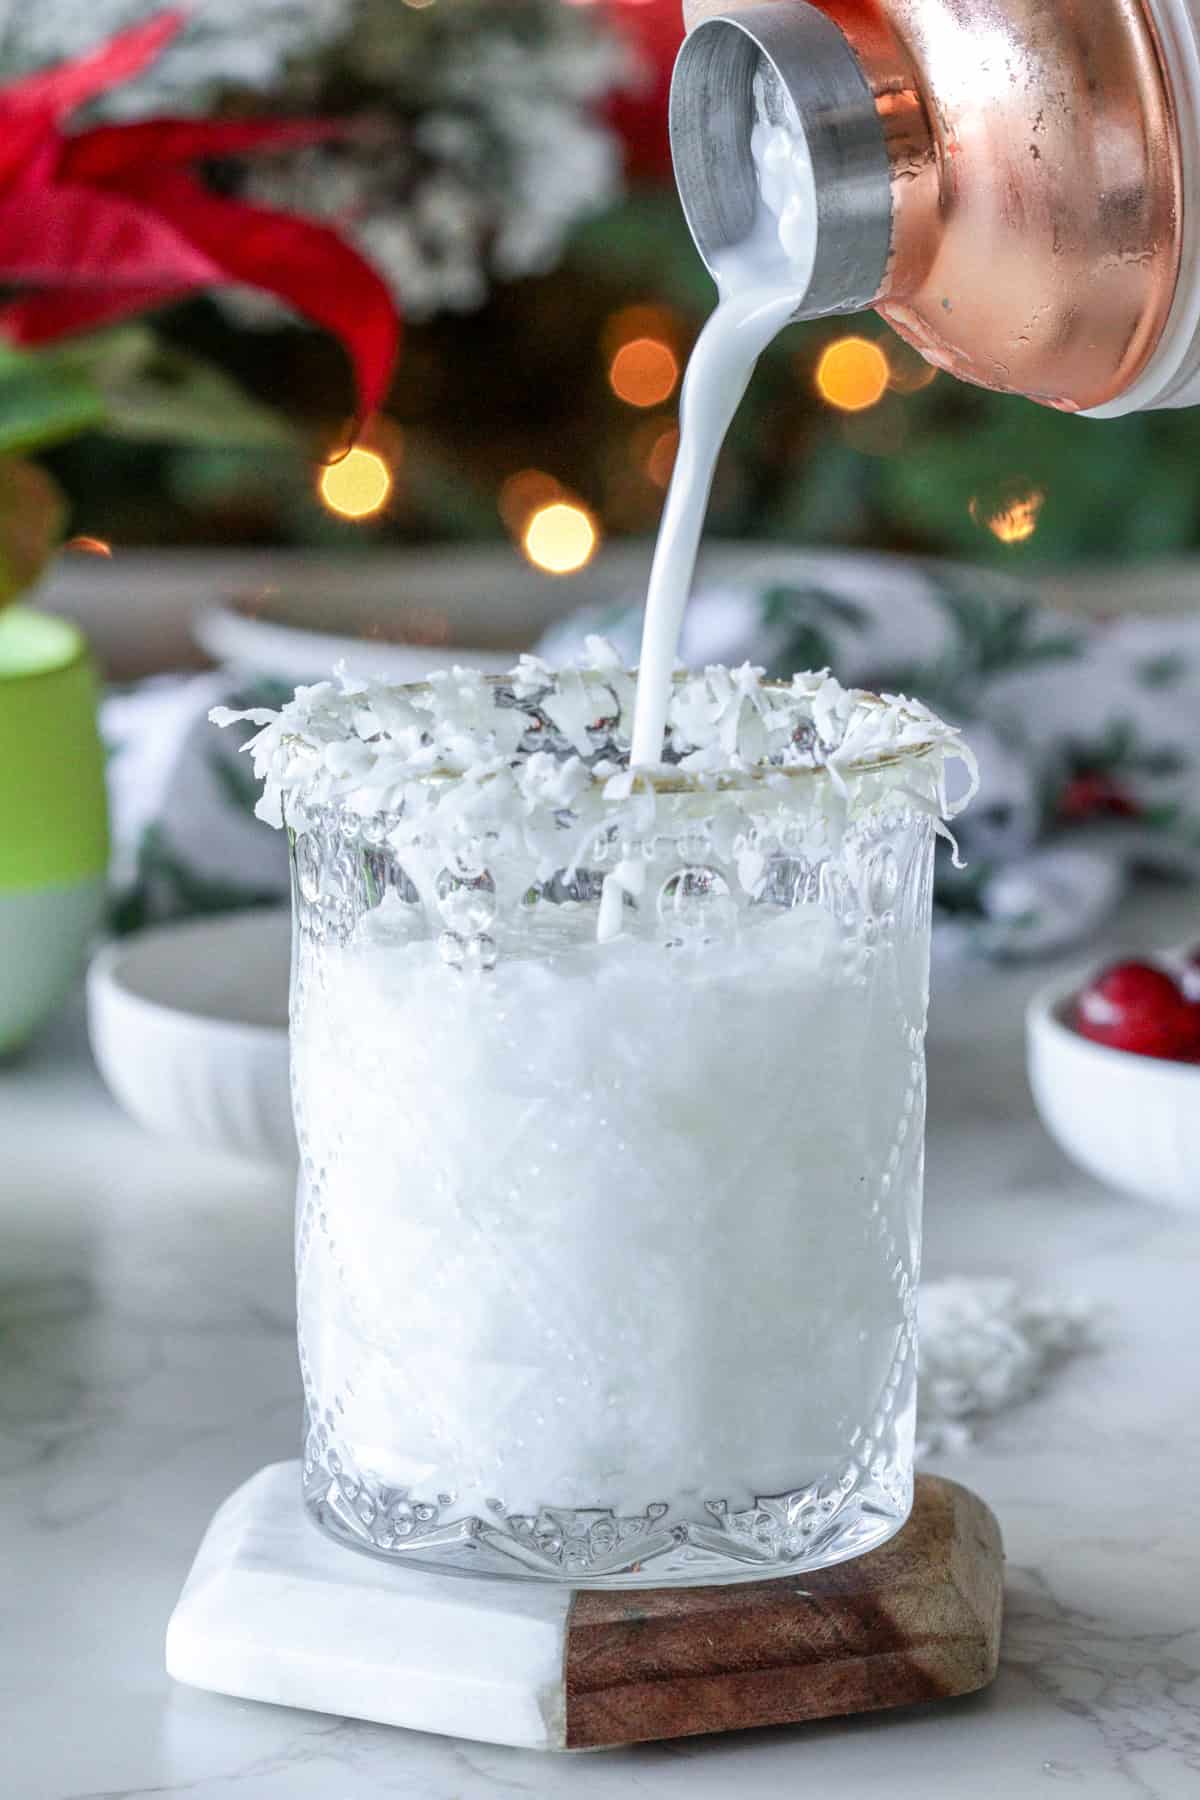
[545, 751]
[986, 1345]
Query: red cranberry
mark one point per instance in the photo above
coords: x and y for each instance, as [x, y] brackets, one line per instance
[1136, 1007]
[1189, 973]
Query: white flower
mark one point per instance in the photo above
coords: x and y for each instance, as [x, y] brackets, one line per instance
[221, 48]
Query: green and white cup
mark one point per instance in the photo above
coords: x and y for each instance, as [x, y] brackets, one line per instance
[53, 816]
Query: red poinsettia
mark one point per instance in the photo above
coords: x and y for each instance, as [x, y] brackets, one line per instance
[655, 30]
[106, 222]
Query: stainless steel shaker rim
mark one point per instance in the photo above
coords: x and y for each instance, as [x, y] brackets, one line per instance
[711, 117]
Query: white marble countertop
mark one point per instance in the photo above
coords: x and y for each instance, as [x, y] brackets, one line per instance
[146, 1368]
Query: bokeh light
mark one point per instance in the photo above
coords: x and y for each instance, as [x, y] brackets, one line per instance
[644, 371]
[357, 485]
[560, 537]
[1012, 514]
[852, 374]
[521, 495]
[908, 372]
[660, 457]
[645, 319]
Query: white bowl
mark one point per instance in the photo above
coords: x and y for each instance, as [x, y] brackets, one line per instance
[1131, 1121]
[401, 616]
[189, 1029]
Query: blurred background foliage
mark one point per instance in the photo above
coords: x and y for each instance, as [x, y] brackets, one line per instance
[549, 313]
[524, 383]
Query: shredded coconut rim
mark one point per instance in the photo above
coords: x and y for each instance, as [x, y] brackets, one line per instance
[549, 736]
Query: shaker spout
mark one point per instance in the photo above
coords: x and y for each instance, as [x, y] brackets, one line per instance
[802, 61]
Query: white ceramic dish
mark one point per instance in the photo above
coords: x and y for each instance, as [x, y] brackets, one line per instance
[404, 615]
[189, 1028]
[1131, 1121]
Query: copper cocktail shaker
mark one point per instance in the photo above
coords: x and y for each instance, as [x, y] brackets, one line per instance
[1013, 184]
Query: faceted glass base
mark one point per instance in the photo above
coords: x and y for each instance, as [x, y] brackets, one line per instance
[785, 1534]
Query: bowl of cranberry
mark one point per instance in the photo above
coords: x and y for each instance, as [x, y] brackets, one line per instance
[1114, 1064]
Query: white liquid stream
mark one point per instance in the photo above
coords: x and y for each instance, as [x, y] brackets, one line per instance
[761, 284]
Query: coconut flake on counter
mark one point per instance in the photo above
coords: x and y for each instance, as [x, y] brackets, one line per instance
[987, 1345]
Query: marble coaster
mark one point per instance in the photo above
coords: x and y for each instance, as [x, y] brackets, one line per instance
[274, 1611]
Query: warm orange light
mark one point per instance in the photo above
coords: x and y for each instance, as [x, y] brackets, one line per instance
[908, 372]
[89, 546]
[357, 485]
[646, 319]
[560, 538]
[523, 493]
[1012, 519]
[852, 374]
[644, 372]
[660, 459]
